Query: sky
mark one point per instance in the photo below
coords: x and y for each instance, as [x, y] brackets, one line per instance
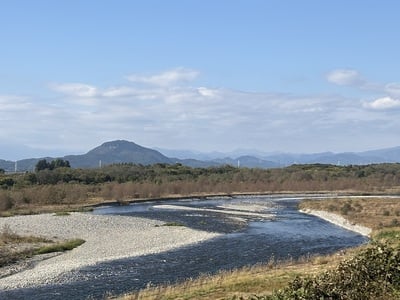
[207, 75]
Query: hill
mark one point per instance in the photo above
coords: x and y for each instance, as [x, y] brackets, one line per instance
[121, 151]
[117, 152]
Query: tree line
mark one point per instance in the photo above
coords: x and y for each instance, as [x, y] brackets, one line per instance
[64, 185]
[43, 164]
[322, 175]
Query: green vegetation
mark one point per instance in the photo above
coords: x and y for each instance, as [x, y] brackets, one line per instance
[391, 235]
[54, 164]
[14, 247]
[7, 236]
[60, 247]
[374, 273]
[368, 272]
[50, 189]
[173, 224]
[62, 213]
[9, 250]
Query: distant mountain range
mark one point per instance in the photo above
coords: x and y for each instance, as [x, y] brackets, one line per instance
[128, 152]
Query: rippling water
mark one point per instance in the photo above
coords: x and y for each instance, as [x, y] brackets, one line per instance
[250, 237]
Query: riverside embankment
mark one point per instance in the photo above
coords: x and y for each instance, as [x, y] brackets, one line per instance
[127, 247]
[339, 221]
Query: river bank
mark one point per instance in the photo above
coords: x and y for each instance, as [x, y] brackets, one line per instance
[107, 238]
[339, 221]
[114, 237]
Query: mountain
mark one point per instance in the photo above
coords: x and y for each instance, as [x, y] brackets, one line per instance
[120, 151]
[342, 159]
[7, 165]
[345, 158]
[208, 156]
[117, 152]
[247, 161]
[390, 154]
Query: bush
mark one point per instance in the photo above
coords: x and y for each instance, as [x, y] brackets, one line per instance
[60, 247]
[372, 274]
[6, 201]
[346, 208]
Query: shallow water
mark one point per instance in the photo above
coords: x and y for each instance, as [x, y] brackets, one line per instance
[247, 239]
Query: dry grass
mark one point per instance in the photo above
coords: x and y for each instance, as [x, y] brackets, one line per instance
[376, 213]
[14, 247]
[265, 279]
[245, 282]
[42, 209]
[8, 237]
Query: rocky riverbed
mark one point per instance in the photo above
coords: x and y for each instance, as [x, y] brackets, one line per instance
[127, 247]
[339, 221]
[107, 238]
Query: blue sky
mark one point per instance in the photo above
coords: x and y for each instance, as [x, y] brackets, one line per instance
[292, 76]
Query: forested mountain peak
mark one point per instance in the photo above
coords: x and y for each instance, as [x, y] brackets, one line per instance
[122, 151]
[118, 146]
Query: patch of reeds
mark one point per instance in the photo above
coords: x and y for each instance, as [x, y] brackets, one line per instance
[7, 236]
[15, 247]
[11, 252]
[62, 213]
[60, 247]
[171, 224]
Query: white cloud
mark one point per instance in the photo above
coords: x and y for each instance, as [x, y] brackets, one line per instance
[383, 103]
[346, 77]
[12, 103]
[166, 78]
[393, 89]
[122, 91]
[203, 118]
[75, 89]
[206, 92]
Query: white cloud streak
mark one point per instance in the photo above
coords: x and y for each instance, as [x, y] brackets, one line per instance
[166, 78]
[393, 89]
[177, 116]
[345, 77]
[390, 92]
[75, 89]
[384, 103]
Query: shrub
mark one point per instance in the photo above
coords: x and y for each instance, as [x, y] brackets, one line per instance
[372, 274]
[6, 201]
[346, 208]
[60, 247]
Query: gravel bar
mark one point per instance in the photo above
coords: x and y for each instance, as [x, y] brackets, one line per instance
[107, 238]
[339, 221]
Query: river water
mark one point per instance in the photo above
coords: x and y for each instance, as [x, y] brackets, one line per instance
[255, 230]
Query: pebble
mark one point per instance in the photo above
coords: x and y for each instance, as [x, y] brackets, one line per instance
[107, 238]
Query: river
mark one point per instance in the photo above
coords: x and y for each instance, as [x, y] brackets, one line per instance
[255, 229]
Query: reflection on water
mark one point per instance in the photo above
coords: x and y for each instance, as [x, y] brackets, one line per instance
[248, 239]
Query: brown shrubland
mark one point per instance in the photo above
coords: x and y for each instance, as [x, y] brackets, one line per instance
[126, 182]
